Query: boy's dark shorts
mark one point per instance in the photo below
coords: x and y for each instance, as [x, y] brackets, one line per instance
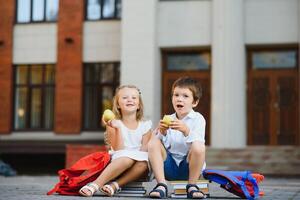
[174, 172]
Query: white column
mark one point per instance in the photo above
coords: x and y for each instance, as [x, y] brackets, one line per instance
[139, 53]
[228, 122]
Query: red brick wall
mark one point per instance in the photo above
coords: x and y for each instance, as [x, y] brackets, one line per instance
[7, 9]
[68, 95]
[76, 151]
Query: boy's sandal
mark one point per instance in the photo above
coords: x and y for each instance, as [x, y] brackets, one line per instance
[91, 187]
[109, 190]
[162, 194]
[190, 193]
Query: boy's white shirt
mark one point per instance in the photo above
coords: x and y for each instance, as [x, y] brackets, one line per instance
[176, 143]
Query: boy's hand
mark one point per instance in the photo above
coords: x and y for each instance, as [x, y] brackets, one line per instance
[180, 126]
[163, 127]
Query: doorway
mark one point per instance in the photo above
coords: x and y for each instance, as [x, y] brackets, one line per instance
[195, 63]
[273, 95]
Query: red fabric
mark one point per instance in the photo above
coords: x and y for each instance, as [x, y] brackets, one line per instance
[85, 170]
[259, 178]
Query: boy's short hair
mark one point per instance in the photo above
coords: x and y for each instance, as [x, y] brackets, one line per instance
[192, 84]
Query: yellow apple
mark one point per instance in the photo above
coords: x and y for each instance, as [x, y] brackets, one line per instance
[108, 115]
[167, 119]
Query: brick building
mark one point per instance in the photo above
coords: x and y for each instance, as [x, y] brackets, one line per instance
[60, 61]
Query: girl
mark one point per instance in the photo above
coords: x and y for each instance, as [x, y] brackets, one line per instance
[128, 136]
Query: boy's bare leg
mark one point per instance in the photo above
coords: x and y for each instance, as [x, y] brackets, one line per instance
[196, 159]
[138, 170]
[112, 170]
[157, 155]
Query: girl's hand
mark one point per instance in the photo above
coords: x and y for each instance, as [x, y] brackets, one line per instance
[180, 126]
[162, 127]
[111, 123]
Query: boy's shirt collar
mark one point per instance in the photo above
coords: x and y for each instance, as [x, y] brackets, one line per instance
[191, 114]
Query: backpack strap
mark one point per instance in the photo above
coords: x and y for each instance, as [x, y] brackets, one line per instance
[243, 186]
[255, 187]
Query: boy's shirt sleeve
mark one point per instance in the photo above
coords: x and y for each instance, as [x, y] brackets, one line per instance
[197, 130]
[163, 138]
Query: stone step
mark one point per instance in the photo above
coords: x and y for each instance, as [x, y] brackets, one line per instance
[273, 160]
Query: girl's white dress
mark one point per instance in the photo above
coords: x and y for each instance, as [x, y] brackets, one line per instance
[132, 141]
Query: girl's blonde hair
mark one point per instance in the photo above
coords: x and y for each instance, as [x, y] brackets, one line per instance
[116, 109]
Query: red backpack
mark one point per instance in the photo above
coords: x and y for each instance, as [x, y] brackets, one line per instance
[85, 170]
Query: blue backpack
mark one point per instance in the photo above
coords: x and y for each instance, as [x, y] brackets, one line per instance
[241, 183]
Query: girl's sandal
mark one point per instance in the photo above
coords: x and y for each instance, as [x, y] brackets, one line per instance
[109, 190]
[91, 187]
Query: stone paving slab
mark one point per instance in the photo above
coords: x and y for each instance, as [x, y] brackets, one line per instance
[35, 188]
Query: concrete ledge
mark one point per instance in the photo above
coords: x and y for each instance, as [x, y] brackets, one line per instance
[271, 160]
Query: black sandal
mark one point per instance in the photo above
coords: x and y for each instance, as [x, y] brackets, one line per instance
[162, 194]
[190, 194]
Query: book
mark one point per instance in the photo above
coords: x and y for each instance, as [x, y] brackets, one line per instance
[133, 188]
[182, 196]
[182, 184]
[183, 191]
[179, 188]
[178, 196]
[140, 191]
[129, 195]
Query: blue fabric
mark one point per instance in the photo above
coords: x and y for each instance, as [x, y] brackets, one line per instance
[174, 172]
[234, 182]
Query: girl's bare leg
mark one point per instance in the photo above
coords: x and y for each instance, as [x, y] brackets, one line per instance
[113, 170]
[138, 170]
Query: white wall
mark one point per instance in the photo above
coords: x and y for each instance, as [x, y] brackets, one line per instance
[102, 41]
[35, 43]
[184, 23]
[272, 21]
[228, 75]
[139, 53]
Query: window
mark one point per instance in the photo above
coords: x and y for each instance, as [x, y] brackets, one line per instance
[34, 97]
[103, 9]
[29, 11]
[188, 61]
[281, 59]
[100, 82]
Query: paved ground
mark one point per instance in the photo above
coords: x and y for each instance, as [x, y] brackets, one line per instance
[35, 188]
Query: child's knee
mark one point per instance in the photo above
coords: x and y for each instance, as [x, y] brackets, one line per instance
[127, 162]
[197, 148]
[154, 144]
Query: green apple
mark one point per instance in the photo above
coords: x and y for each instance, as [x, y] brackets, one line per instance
[167, 119]
[108, 115]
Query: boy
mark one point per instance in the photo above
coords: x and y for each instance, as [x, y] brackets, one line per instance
[178, 150]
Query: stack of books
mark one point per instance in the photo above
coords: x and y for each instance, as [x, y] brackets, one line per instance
[133, 189]
[179, 188]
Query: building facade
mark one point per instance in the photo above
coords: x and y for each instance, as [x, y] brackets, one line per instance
[61, 60]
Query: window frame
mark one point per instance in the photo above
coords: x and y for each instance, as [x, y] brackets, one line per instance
[101, 12]
[43, 86]
[31, 14]
[99, 87]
